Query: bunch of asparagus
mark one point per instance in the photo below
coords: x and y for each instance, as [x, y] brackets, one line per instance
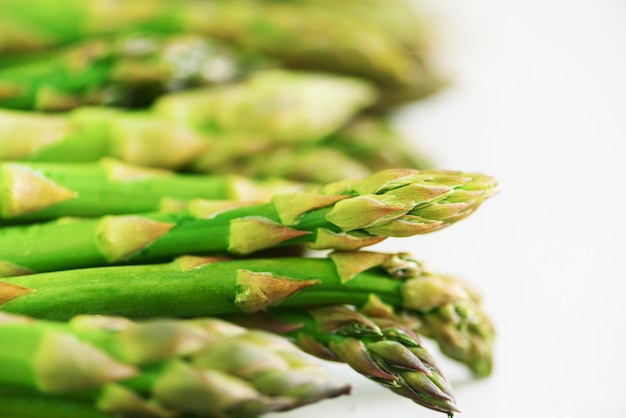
[187, 193]
[322, 100]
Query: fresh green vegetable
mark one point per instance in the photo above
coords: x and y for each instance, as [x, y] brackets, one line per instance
[43, 191]
[386, 42]
[270, 109]
[200, 367]
[346, 215]
[200, 286]
[373, 340]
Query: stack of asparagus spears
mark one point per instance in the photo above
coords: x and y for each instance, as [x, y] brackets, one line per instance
[187, 193]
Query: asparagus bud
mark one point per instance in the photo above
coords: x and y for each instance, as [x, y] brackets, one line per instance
[378, 345]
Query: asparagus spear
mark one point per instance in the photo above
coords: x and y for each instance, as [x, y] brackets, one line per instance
[373, 340]
[291, 106]
[366, 145]
[40, 191]
[199, 286]
[272, 107]
[161, 367]
[344, 215]
[128, 70]
[381, 42]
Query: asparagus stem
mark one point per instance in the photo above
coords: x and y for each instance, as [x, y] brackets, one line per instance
[159, 368]
[200, 286]
[44, 191]
[20, 405]
[346, 215]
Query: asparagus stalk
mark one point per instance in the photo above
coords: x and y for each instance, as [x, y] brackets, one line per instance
[345, 215]
[272, 107]
[161, 367]
[20, 405]
[369, 39]
[43, 191]
[128, 70]
[200, 286]
[374, 341]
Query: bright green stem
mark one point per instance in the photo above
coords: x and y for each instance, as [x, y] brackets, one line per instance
[16, 405]
[203, 287]
[347, 215]
[43, 191]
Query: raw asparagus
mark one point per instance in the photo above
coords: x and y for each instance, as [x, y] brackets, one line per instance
[128, 70]
[373, 340]
[378, 144]
[202, 367]
[43, 191]
[272, 107]
[344, 215]
[20, 405]
[382, 41]
[199, 286]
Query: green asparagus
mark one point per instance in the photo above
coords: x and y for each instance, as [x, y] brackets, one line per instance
[199, 286]
[271, 108]
[373, 341]
[344, 215]
[128, 70]
[381, 41]
[43, 191]
[203, 367]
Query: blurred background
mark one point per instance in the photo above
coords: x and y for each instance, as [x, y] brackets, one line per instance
[537, 99]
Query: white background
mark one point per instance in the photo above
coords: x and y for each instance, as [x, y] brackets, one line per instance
[539, 102]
